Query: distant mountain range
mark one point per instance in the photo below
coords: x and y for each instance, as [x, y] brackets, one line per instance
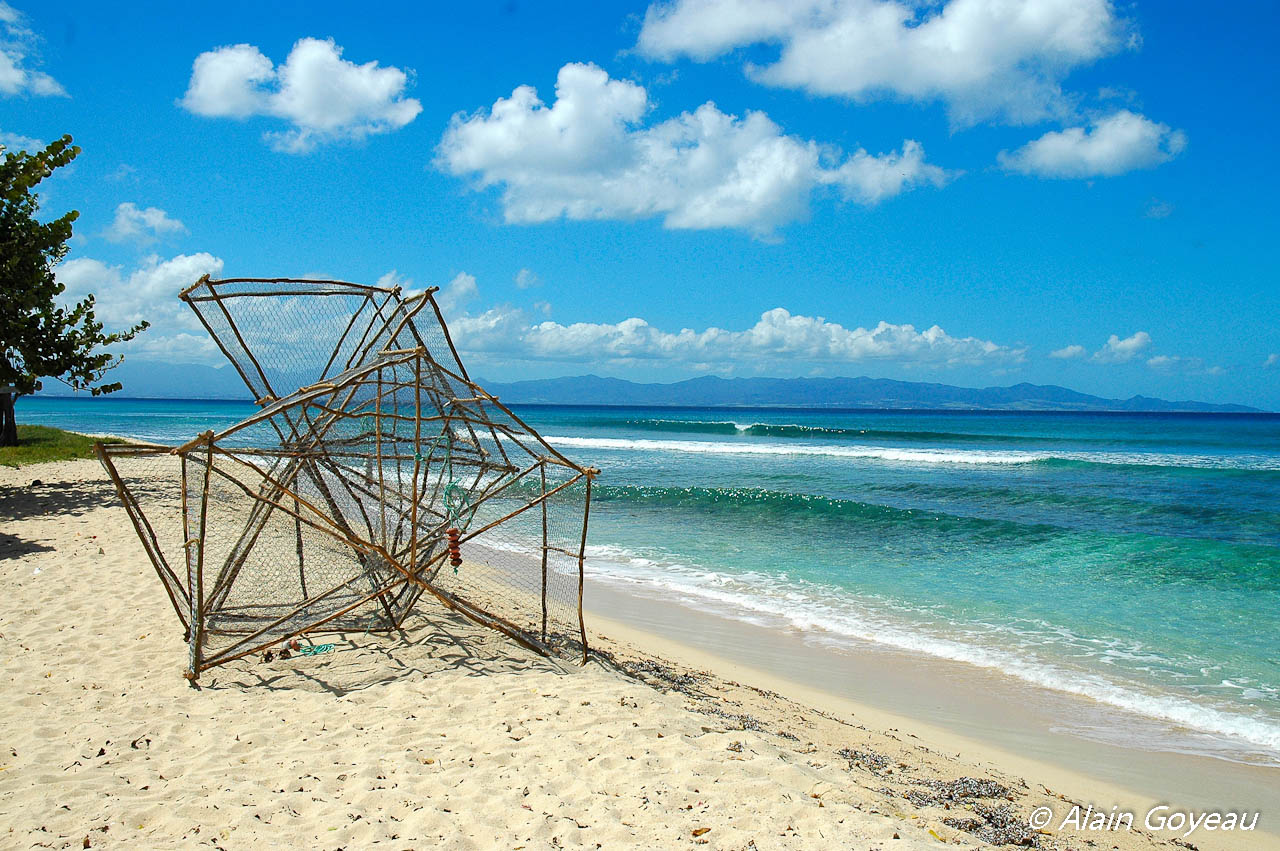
[710, 391]
[150, 379]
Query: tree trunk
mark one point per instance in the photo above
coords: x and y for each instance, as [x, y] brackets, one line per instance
[8, 420]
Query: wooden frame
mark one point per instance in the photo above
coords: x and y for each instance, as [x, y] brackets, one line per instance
[328, 507]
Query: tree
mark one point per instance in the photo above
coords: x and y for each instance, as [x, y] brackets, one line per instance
[40, 337]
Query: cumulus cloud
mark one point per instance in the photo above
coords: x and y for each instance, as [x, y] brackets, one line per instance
[17, 46]
[14, 142]
[983, 58]
[778, 336]
[589, 156]
[1117, 350]
[1272, 361]
[134, 224]
[395, 279]
[148, 292]
[123, 172]
[1121, 142]
[325, 97]
[1175, 363]
[525, 279]
[455, 295]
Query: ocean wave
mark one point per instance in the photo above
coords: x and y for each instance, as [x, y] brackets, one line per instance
[831, 615]
[1265, 465]
[920, 456]
[1242, 556]
[808, 508]
[1244, 463]
[758, 429]
[900, 435]
[1103, 511]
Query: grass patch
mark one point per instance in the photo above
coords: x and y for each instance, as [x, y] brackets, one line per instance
[37, 444]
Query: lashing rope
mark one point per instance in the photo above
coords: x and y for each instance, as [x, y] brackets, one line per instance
[456, 501]
[455, 496]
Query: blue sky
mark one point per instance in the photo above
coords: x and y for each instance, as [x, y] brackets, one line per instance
[974, 192]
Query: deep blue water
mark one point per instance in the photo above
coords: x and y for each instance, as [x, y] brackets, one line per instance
[1132, 558]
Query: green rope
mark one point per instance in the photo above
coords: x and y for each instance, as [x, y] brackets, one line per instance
[456, 498]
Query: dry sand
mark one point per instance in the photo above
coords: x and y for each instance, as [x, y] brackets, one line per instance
[446, 736]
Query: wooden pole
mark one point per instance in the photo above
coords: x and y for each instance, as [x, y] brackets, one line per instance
[147, 535]
[542, 468]
[582, 555]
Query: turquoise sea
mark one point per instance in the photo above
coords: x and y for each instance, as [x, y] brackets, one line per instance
[1129, 558]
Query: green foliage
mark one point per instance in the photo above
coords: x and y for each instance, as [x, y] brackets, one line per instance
[39, 337]
[42, 443]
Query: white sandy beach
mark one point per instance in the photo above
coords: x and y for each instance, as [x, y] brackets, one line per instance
[446, 736]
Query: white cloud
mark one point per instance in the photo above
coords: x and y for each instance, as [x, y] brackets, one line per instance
[149, 292]
[395, 279]
[984, 58]
[1272, 361]
[525, 279]
[1175, 363]
[14, 142]
[123, 172]
[325, 97]
[1123, 350]
[1117, 350]
[456, 294]
[778, 336]
[1157, 209]
[17, 44]
[588, 156]
[1121, 142]
[133, 224]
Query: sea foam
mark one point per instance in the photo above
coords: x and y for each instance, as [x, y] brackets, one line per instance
[710, 447]
[830, 615]
[1247, 462]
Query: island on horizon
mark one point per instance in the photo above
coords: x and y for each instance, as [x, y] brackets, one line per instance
[155, 380]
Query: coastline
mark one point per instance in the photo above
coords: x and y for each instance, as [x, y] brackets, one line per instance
[453, 736]
[1017, 722]
[1004, 742]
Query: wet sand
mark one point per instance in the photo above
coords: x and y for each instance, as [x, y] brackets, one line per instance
[1139, 760]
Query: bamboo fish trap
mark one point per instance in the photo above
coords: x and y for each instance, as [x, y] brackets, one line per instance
[375, 474]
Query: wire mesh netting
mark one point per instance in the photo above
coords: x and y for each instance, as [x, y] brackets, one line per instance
[385, 477]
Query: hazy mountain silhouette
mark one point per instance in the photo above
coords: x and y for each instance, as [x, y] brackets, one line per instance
[152, 379]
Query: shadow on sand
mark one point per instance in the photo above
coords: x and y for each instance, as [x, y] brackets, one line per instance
[434, 640]
[23, 502]
[47, 499]
[11, 546]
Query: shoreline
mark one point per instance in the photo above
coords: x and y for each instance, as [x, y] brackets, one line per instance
[989, 711]
[995, 746]
[650, 743]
